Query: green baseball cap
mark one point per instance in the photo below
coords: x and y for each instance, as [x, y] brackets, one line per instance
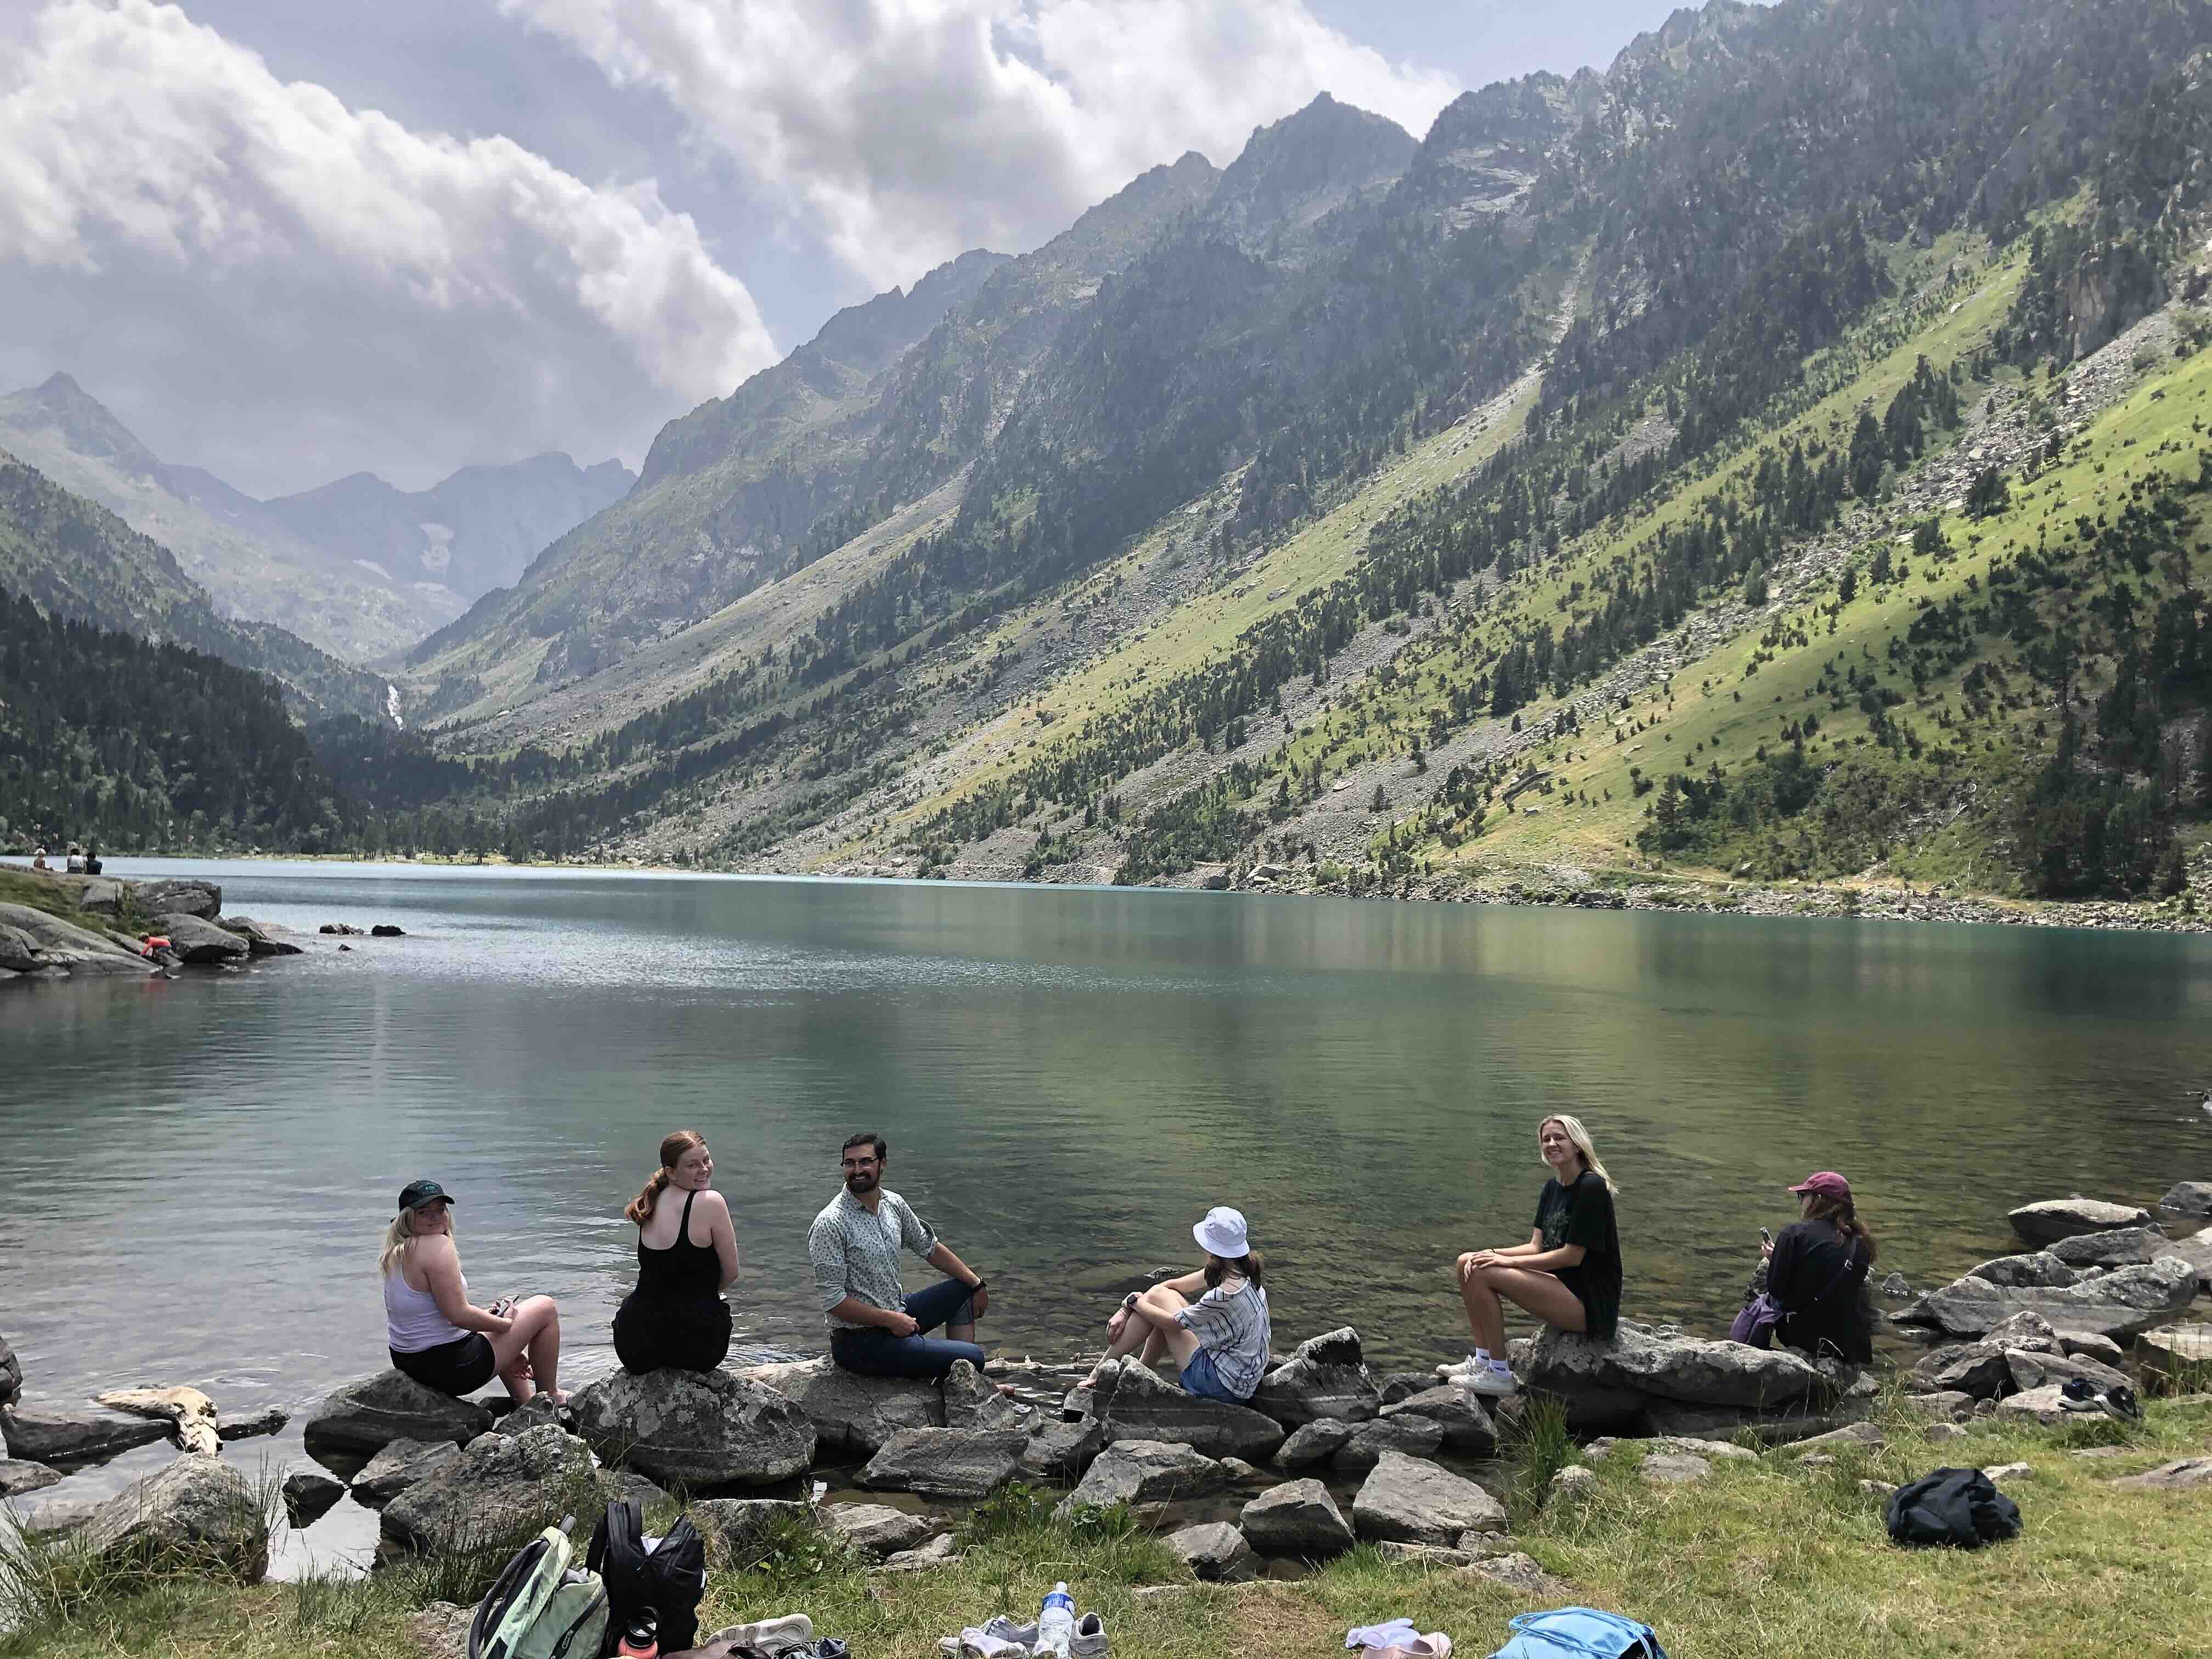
[416, 1193]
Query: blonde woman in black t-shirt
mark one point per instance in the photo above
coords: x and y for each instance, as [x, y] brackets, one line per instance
[1568, 1274]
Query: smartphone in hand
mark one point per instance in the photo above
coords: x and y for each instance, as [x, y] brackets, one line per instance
[1765, 1236]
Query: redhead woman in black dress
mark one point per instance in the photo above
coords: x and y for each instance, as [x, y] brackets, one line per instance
[687, 1256]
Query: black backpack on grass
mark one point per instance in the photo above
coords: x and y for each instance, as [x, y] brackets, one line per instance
[670, 1578]
[1957, 1507]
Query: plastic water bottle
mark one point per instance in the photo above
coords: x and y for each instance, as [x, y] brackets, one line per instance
[1056, 1621]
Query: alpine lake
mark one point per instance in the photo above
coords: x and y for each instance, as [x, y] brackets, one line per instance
[198, 1168]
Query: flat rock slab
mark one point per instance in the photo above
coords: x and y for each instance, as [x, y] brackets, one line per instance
[1689, 1369]
[2181, 1476]
[197, 1513]
[270, 1419]
[1416, 1502]
[18, 1477]
[360, 1419]
[1215, 1552]
[2188, 1198]
[943, 1552]
[2172, 1349]
[1674, 1468]
[852, 1413]
[194, 941]
[2046, 1223]
[2123, 1247]
[33, 942]
[2118, 1304]
[1062, 1451]
[2036, 1406]
[501, 1487]
[878, 1529]
[401, 1464]
[199, 899]
[1135, 1403]
[71, 1439]
[1146, 1471]
[1863, 1436]
[1297, 1519]
[1467, 1424]
[947, 1462]
[705, 1430]
[1325, 1377]
[1525, 1573]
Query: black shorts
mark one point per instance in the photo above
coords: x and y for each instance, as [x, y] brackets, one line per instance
[458, 1367]
[651, 1336]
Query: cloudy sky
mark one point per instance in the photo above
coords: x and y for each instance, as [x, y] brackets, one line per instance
[288, 242]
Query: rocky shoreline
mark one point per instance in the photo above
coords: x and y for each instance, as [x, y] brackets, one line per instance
[1328, 1452]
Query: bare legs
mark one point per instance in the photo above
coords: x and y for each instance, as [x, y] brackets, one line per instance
[1150, 1331]
[1486, 1289]
[529, 1351]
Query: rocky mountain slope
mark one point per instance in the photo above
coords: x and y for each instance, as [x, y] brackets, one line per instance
[358, 568]
[1393, 490]
[76, 562]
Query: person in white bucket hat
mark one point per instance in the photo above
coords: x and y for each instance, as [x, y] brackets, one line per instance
[1212, 1323]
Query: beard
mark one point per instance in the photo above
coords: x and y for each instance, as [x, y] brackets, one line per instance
[861, 1180]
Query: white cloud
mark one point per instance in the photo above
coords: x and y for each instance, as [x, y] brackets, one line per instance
[908, 131]
[319, 288]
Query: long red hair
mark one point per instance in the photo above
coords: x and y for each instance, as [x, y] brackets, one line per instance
[671, 1154]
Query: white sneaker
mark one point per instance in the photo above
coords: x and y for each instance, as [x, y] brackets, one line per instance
[1488, 1381]
[1089, 1641]
[793, 1629]
[1459, 1368]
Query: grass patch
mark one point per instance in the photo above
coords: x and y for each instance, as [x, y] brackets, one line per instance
[59, 898]
[1536, 1445]
[1764, 1560]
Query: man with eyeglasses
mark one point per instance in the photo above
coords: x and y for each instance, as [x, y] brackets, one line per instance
[875, 1327]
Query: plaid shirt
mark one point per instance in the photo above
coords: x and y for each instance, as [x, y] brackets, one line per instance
[1232, 1327]
[856, 1254]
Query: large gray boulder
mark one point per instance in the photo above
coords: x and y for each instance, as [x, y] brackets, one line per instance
[2197, 1251]
[2118, 1304]
[1401, 1432]
[2123, 1246]
[2175, 1351]
[1978, 1369]
[197, 1513]
[705, 1430]
[1215, 1552]
[1145, 1472]
[2188, 1198]
[1061, 1451]
[972, 1400]
[1639, 1361]
[1467, 1426]
[852, 1413]
[2032, 1370]
[261, 938]
[1317, 1443]
[877, 1530]
[1325, 1377]
[1416, 1502]
[947, 1462]
[33, 942]
[18, 1477]
[360, 1419]
[12, 1375]
[2046, 1223]
[182, 895]
[69, 1440]
[1297, 1518]
[1135, 1403]
[191, 939]
[402, 1464]
[501, 1489]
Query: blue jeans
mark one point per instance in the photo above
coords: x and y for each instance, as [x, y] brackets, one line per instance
[1200, 1380]
[876, 1353]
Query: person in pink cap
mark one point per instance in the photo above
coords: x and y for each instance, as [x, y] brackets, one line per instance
[1816, 1274]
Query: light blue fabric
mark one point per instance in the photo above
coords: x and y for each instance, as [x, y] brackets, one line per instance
[1580, 1633]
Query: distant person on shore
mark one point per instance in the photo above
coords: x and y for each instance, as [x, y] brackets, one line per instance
[92, 858]
[687, 1256]
[436, 1335]
[39, 859]
[1568, 1274]
[1213, 1323]
[1816, 1277]
[75, 864]
[876, 1328]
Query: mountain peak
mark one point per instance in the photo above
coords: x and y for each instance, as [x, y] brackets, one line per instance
[65, 410]
[1305, 166]
[60, 384]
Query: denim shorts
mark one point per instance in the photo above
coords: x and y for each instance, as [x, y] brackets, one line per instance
[1199, 1379]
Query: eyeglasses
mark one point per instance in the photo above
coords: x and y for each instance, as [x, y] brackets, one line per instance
[858, 1164]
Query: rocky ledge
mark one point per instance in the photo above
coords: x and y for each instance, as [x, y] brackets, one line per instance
[37, 944]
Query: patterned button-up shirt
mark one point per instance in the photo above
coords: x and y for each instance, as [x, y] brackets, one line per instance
[856, 1254]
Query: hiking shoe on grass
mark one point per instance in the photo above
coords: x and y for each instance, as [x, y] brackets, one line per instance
[1006, 1629]
[1089, 1641]
[2119, 1402]
[2079, 1395]
[793, 1629]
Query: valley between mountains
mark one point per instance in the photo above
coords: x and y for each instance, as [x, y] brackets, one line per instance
[1770, 472]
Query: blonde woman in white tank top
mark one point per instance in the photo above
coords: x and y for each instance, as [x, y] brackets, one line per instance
[436, 1334]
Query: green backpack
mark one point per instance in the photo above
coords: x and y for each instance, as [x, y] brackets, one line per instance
[542, 1607]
